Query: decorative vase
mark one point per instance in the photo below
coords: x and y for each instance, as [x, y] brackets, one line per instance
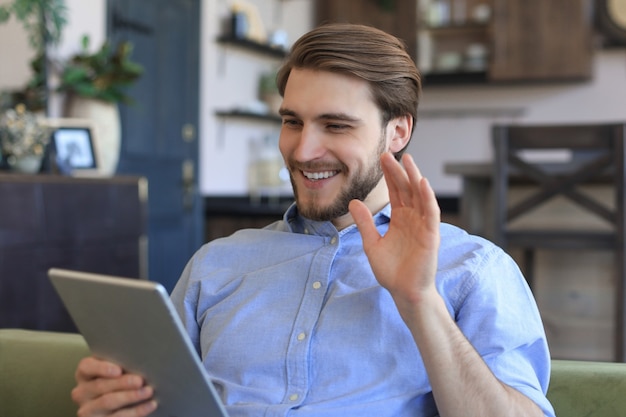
[105, 118]
[27, 164]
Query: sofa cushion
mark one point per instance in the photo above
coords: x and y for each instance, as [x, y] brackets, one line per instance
[590, 389]
[37, 372]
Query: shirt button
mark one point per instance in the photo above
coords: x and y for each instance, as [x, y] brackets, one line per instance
[293, 397]
[301, 337]
[306, 231]
[317, 285]
[333, 240]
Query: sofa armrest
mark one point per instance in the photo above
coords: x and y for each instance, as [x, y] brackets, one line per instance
[37, 370]
[590, 389]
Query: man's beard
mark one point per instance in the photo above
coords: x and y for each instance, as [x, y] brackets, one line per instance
[359, 187]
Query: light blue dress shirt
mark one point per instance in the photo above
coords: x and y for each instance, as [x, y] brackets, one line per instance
[290, 321]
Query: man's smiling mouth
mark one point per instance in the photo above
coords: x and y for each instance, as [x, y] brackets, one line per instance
[314, 176]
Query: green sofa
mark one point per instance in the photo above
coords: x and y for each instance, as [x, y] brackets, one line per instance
[37, 372]
[37, 375]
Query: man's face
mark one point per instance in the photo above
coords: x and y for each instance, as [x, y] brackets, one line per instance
[331, 141]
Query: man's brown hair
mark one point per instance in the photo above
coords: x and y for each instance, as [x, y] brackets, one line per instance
[365, 52]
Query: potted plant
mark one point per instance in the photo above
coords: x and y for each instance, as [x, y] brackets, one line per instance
[102, 75]
[94, 84]
[268, 92]
[43, 21]
[23, 140]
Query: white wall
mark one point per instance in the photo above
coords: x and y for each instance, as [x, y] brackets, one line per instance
[14, 55]
[229, 80]
[85, 18]
[454, 122]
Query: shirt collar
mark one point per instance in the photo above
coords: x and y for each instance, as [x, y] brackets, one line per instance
[299, 224]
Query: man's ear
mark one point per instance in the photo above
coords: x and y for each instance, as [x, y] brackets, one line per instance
[401, 128]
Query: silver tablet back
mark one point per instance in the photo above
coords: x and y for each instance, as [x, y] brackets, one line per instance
[133, 323]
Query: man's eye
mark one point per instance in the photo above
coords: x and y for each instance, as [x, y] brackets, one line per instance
[335, 126]
[290, 122]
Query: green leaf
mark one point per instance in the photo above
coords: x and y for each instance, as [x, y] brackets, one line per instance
[84, 43]
[4, 14]
[107, 71]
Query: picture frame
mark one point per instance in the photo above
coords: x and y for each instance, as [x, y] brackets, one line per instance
[73, 146]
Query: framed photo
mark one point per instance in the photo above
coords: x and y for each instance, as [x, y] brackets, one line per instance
[74, 147]
[73, 144]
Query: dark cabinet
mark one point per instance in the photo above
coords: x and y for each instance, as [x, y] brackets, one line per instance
[484, 41]
[541, 40]
[398, 17]
[508, 41]
[95, 225]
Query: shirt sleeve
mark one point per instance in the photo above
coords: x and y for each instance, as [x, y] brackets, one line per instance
[498, 314]
[184, 296]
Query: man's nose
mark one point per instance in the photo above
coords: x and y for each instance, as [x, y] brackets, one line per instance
[310, 144]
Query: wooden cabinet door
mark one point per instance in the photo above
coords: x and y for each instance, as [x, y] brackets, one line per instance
[397, 17]
[547, 40]
[86, 224]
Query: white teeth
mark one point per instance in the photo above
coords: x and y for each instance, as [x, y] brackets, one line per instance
[319, 175]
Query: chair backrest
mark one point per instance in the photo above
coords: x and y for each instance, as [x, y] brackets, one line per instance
[595, 153]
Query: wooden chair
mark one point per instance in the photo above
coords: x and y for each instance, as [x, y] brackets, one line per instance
[598, 155]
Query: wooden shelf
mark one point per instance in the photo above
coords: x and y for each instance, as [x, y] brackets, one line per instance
[456, 77]
[458, 29]
[253, 46]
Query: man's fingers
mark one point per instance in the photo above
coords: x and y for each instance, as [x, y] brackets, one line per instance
[415, 179]
[386, 162]
[403, 181]
[363, 219]
[91, 389]
[429, 200]
[135, 403]
[91, 367]
[104, 389]
[411, 168]
[124, 396]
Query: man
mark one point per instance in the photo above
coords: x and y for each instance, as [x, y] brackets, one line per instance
[358, 303]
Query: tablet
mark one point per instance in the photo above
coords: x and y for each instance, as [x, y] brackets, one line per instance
[133, 323]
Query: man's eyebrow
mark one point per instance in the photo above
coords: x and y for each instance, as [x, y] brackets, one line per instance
[324, 116]
[338, 116]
